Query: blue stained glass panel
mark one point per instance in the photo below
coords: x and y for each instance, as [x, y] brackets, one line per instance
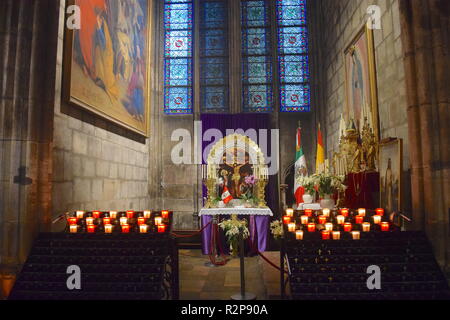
[214, 42]
[178, 68]
[178, 100]
[256, 41]
[294, 69]
[215, 99]
[214, 71]
[291, 13]
[295, 97]
[257, 69]
[293, 40]
[255, 14]
[213, 14]
[258, 98]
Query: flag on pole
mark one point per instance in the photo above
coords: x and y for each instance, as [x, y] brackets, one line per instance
[226, 195]
[320, 157]
[300, 168]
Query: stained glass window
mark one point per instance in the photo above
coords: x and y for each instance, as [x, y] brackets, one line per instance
[178, 52]
[257, 95]
[293, 55]
[214, 56]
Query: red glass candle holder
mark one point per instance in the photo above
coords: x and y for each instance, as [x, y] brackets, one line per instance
[141, 220]
[91, 228]
[106, 221]
[347, 227]
[344, 212]
[359, 219]
[130, 214]
[311, 227]
[286, 219]
[308, 213]
[165, 214]
[385, 226]
[325, 235]
[162, 228]
[322, 220]
[72, 221]
[125, 228]
[379, 211]
[95, 214]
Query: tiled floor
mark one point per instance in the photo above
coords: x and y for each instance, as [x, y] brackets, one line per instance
[199, 282]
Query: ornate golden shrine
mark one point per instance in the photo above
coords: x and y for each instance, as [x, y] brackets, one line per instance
[358, 151]
[233, 159]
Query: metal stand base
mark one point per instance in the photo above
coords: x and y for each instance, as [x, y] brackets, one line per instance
[210, 265]
[247, 297]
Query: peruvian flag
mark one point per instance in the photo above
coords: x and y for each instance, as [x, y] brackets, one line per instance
[300, 168]
[226, 195]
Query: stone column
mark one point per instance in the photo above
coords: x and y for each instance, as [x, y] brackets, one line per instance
[425, 26]
[27, 63]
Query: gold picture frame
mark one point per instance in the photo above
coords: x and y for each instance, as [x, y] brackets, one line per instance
[105, 71]
[363, 76]
[390, 166]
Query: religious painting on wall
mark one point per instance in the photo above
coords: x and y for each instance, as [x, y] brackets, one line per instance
[390, 166]
[107, 64]
[360, 82]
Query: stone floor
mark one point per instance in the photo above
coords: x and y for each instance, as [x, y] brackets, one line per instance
[199, 282]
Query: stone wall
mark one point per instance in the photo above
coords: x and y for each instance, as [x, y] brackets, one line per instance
[338, 22]
[96, 164]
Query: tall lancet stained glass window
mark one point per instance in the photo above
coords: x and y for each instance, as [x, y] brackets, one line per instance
[257, 95]
[214, 56]
[293, 55]
[178, 52]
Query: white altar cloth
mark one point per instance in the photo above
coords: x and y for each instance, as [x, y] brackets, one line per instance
[237, 211]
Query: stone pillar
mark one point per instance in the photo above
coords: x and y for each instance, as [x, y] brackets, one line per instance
[27, 63]
[425, 26]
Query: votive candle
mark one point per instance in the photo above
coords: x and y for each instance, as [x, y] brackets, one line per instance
[123, 221]
[322, 219]
[356, 235]
[326, 212]
[96, 214]
[89, 221]
[91, 228]
[308, 212]
[376, 219]
[311, 227]
[344, 212]
[347, 227]
[80, 214]
[158, 221]
[141, 220]
[108, 228]
[366, 227]
[106, 220]
[385, 226]
[362, 212]
[380, 211]
[125, 228]
[143, 228]
[328, 226]
[73, 228]
[130, 214]
[72, 221]
[336, 235]
[162, 228]
[299, 235]
[290, 212]
[286, 219]
[340, 219]
[165, 214]
[147, 214]
[304, 219]
[291, 227]
[113, 214]
[359, 219]
[325, 235]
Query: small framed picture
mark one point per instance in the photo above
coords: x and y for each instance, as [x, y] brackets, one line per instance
[390, 166]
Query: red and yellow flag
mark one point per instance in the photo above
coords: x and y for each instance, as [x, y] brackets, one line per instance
[320, 157]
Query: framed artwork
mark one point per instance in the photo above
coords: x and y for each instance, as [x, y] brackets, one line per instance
[390, 167]
[107, 61]
[361, 82]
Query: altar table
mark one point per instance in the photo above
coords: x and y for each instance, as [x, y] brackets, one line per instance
[259, 219]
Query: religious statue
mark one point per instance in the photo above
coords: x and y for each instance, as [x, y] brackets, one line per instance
[233, 174]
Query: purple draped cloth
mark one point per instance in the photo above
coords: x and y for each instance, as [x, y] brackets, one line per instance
[258, 227]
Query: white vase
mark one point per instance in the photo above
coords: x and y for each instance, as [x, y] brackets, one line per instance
[307, 198]
[327, 202]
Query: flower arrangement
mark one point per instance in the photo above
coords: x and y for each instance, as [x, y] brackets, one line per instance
[234, 230]
[307, 183]
[327, 184]
[250, 182]
[276, 228]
